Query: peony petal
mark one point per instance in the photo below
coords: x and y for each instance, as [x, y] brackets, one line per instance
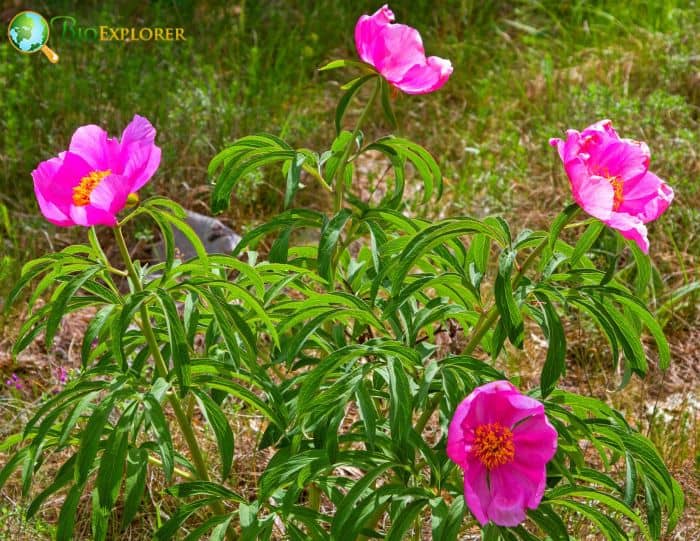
[110, 194]
[476, 490]
[630, 227]
[367, 29]
[424, 78]
[509, 496]
[45, 191]
[621, 158]
[594, 194]
[532, 478]
[522, 407]
[396, 50]
[535, 440]
[89, 215]
[603, 127]
[91, 144]
[139, 157]
[456, 436]
[568, 149]
[486, 405]
[60, 188]
[139, 132]
[141, 166]
[647, 197]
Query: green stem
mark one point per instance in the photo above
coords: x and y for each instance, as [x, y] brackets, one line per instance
[200, 464]
[340, 172]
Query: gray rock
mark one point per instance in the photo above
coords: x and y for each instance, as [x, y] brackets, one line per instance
[215, 236]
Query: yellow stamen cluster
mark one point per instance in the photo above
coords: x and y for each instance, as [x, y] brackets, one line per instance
[493, 445]
[81, 192]
[617, 185]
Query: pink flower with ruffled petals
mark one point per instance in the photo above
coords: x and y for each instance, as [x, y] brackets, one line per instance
[503, 441]
[396, 51]
[90, 183]
[611, 181]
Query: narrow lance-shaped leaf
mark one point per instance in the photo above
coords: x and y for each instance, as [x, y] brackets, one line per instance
[507, 306]
[328, 243]
[222, 431]
[555, 364]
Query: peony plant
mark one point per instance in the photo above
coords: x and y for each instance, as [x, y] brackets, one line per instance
[372, 427]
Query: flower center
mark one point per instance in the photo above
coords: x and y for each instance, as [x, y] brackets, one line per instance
[493, 445]
[616, 183]
[81, 192]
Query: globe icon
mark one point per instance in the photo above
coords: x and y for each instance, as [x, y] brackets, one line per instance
[28, 32]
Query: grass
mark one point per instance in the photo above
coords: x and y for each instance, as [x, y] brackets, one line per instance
[524, 72]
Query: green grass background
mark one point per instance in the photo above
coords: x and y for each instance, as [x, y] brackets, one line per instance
[524, 71]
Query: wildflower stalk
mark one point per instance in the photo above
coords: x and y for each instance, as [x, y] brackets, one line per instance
[340, 172]
[200, 464]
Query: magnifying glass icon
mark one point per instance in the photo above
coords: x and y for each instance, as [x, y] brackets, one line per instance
[28, 32]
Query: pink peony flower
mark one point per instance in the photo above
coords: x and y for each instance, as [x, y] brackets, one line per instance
[503, 441]
[611, 181]
[396, 51]
[90, 183]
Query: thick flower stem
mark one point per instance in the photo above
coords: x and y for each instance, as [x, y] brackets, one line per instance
[200, 464]
[339, 176]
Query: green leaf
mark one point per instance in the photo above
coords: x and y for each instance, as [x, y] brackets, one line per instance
[92, 332]
[330, 233]
[91, 436]
[586, 241]
[423, 161]
[61, 479]
[204, 488]
[11, 465]
[641, 311]
[293, 178]
[346, 508]
[335, 64]
[560, 221]
[555, 364]
[168, 530]
[178, 341]
[508, 308]
[58, 305]
[222, 431]
[643, 265]
[110, 472]
[422, 242]
[238, 168]
[188, 233]
[446, 522]
[406, 517]
[135, 483]
[154, 414]
[549, 522]
[219, 523]
[555, 498]
[240, 392]
[400, 400]
[386, 104]
[347, 97]
[69, 510]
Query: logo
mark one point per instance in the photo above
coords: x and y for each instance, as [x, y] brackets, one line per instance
[69, 28]
[28, 32]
